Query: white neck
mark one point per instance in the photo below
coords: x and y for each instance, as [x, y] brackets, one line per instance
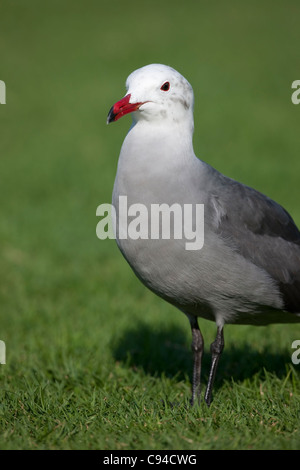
[155, 162]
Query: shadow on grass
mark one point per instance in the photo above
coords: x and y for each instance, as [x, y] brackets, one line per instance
[167, 352]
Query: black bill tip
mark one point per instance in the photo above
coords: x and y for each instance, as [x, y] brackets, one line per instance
[111, 116]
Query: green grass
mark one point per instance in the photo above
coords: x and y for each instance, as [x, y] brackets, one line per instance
[94, 360]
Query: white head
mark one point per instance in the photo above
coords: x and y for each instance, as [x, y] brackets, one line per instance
[156, 93]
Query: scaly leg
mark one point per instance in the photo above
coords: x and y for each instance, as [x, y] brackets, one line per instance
[216, 349]
[197, 349]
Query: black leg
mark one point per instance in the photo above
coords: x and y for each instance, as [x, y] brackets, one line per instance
[216, 349]
[197, 349]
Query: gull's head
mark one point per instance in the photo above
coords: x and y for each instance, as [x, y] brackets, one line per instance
[155, 93]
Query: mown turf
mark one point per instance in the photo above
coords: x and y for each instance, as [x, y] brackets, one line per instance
[94, 360]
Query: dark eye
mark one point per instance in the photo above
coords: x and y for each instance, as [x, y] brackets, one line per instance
[165, 86]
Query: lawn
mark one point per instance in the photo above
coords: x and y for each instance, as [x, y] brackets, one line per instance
[93, 359]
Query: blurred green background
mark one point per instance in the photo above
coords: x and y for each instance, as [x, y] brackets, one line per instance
[69, 303]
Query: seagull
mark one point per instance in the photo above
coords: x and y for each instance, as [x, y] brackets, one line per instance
[248, 269]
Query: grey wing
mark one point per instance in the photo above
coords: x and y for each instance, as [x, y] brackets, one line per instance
[263, 232]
